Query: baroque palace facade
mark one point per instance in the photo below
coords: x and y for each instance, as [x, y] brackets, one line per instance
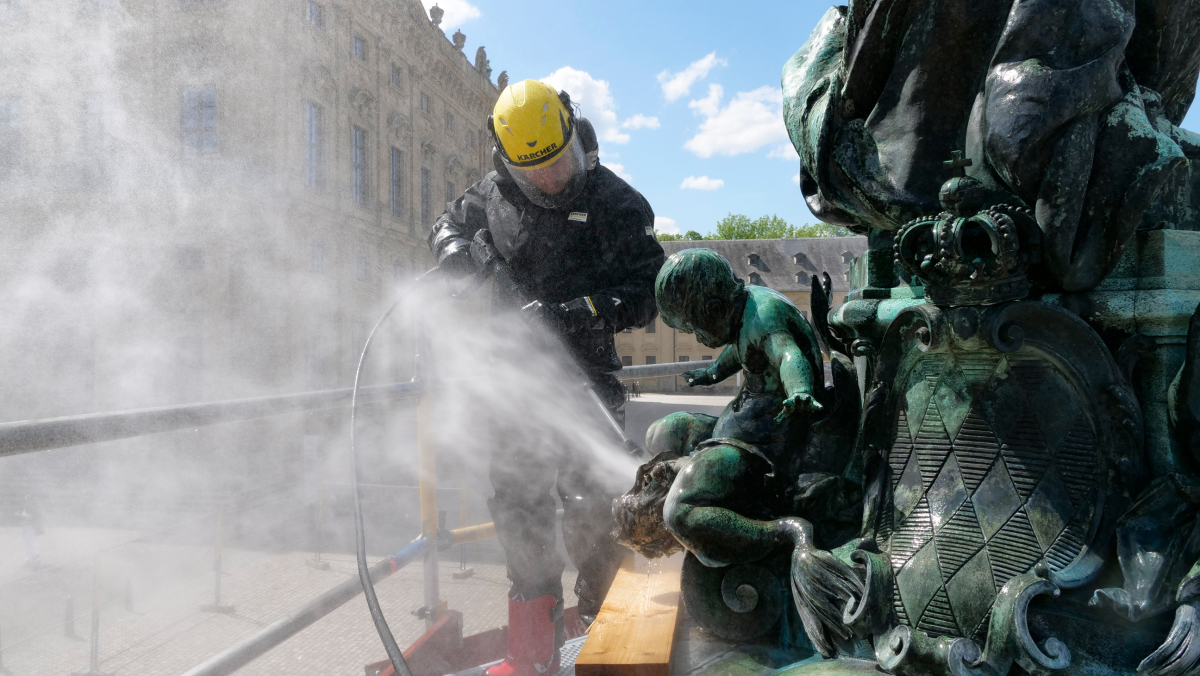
[209, 199]
[250, 151]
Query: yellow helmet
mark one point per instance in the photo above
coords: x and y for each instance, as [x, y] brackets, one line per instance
[534, 131]
[531, 124]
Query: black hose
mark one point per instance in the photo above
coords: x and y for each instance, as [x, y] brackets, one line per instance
[364, 572]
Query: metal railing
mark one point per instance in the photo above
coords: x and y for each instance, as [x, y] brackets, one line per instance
[40, 435]
[28, 436]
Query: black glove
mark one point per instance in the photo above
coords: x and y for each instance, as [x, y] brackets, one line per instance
[455, 259]
[586, 313]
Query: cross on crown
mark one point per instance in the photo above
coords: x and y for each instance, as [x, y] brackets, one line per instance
[957, 161]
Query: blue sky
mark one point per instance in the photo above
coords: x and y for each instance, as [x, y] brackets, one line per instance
[685, 95]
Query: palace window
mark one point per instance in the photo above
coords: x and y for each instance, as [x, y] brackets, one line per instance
[314, 141]
[426, 198]
[424, 102]
[360, 165]
[362, 267]
[397, 183]
[650, 327]
[199, 120]
[397, 76]
[316, 14]
[360, 48]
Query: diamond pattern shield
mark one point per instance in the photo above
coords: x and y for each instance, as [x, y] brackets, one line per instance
[993, 472]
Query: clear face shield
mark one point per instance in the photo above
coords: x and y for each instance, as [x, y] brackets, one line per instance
[557, 183]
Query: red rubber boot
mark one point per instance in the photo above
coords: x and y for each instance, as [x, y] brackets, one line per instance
[531, 641]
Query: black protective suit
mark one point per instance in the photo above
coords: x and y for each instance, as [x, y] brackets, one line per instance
[602, 246]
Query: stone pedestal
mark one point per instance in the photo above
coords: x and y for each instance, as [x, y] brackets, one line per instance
[1153, 292]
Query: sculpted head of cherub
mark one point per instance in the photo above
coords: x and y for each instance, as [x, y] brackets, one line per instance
[698, 293]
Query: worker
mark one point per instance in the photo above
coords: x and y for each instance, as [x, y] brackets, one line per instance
[577, 246]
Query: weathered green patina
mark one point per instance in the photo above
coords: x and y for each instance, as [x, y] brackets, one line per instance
[742, 469]
[1021, 341]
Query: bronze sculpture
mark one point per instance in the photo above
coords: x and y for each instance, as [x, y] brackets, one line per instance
[1023, 336]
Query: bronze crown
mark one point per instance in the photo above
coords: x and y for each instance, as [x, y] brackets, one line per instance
[969, 255]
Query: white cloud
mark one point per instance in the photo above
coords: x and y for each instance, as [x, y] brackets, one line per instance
[750, 121]
[701, 183]
[665, 225]
[640, 121]
[711, 104]
[458, 12]
[783, 151]
[594, 99]
[619, 170]
[796, 178]
[676, 85]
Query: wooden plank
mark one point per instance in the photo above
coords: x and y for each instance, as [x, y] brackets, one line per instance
[634, 632]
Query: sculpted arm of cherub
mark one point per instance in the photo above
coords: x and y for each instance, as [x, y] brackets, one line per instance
[725, 365]
[795, 372]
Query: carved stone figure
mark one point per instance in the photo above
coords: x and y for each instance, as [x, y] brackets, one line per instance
[502, 79]
[399, 124]
[363, 104]
[452, 165]
[435, 15]
[481, 62]
[459, 39]
[639, 513]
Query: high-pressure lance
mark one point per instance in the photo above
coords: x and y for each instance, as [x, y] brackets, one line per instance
[488, 263]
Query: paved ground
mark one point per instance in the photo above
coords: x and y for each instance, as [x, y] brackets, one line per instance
[165, 633]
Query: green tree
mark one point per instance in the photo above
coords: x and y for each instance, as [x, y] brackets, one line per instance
[689, 236]
[740, 226]
[822, 230]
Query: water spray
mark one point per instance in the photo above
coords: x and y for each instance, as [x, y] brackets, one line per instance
[490, 264]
